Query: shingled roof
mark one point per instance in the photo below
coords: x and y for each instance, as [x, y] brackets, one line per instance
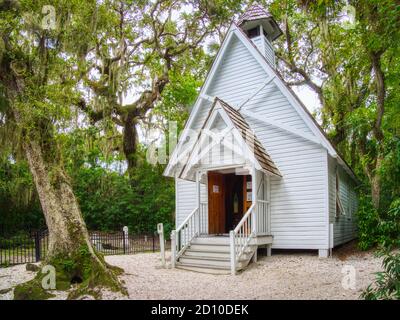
[254, 12]
[254, 144]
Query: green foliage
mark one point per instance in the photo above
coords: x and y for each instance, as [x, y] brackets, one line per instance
[368, 220]
[375, 229]
[16, 241]
[110, 200]
[32, 290]
[108, 197]
[82, 268]
[19, 205]
[389, 226]
[387, 283]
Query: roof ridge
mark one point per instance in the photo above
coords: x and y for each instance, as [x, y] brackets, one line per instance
[240, 123]
[298, 100]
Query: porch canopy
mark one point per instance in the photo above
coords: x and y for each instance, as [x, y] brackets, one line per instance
[225, 141]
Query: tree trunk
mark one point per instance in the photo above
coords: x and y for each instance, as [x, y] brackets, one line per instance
[375, 180]
[376, 191]
[70, 251]
[130, 141]
[67, 230]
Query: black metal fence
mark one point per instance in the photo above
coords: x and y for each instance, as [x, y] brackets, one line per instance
[33, 247]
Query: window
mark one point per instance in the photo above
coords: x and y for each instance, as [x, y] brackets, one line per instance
[339, 206]
[252, 33]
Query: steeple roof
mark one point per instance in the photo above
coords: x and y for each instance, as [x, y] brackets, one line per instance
[256, 15]
[254, 12]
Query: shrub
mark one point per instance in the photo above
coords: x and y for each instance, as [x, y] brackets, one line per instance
[368, 221]
[378, 229]
[387, 282]
[389, 226]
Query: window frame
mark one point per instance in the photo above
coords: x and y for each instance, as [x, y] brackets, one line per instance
[339, 206]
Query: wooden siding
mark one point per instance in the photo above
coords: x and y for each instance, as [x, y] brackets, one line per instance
[298, 212]
[186, 198]
[237, 75]
[344, 227]
[300, 203]
[278, 108]
[269, 52]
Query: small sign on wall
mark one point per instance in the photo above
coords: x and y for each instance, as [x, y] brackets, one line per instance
[249, 196]
[215, 189]
[248, 185]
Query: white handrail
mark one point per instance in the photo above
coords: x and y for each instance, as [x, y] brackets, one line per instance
[184, 234]
[244, 218]
[186, 220]
[241, 236]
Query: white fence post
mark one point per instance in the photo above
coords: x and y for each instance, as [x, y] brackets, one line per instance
[173, 248]
[125, 230]
[96, 240]
[233, 258]
[160, 230]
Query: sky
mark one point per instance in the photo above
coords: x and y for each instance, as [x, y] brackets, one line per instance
[308, 97]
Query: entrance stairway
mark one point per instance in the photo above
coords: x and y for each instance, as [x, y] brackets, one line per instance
[211, 254]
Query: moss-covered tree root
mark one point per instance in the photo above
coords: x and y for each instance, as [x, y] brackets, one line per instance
[82, 273]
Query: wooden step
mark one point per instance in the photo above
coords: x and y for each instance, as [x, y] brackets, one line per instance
[210, 247]
[207, 267]
[209, 262]
[206, 254]
[215, 254]
[212, 255]
[203, 269]
[211, 241]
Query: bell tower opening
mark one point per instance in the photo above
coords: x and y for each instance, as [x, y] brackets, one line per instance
[260, 26]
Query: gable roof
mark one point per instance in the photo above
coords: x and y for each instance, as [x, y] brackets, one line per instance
[235, 120]
[279, 82]
[336, 153]
[249, 137]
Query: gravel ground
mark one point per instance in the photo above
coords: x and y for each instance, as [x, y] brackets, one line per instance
[285, 275]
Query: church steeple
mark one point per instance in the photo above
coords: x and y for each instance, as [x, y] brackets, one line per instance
[261, 27]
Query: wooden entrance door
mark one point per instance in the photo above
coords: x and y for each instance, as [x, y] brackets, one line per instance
[216, 203]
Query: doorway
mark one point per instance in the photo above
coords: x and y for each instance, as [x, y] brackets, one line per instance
[229, 197]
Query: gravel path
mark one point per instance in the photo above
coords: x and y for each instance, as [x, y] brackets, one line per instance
[287, 275]
[282, 276]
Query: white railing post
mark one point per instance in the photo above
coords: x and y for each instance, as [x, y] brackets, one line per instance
[173, 248]
[185, 233]
[198, 198]
[160, 231]
[254, 201]
[233, 255]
